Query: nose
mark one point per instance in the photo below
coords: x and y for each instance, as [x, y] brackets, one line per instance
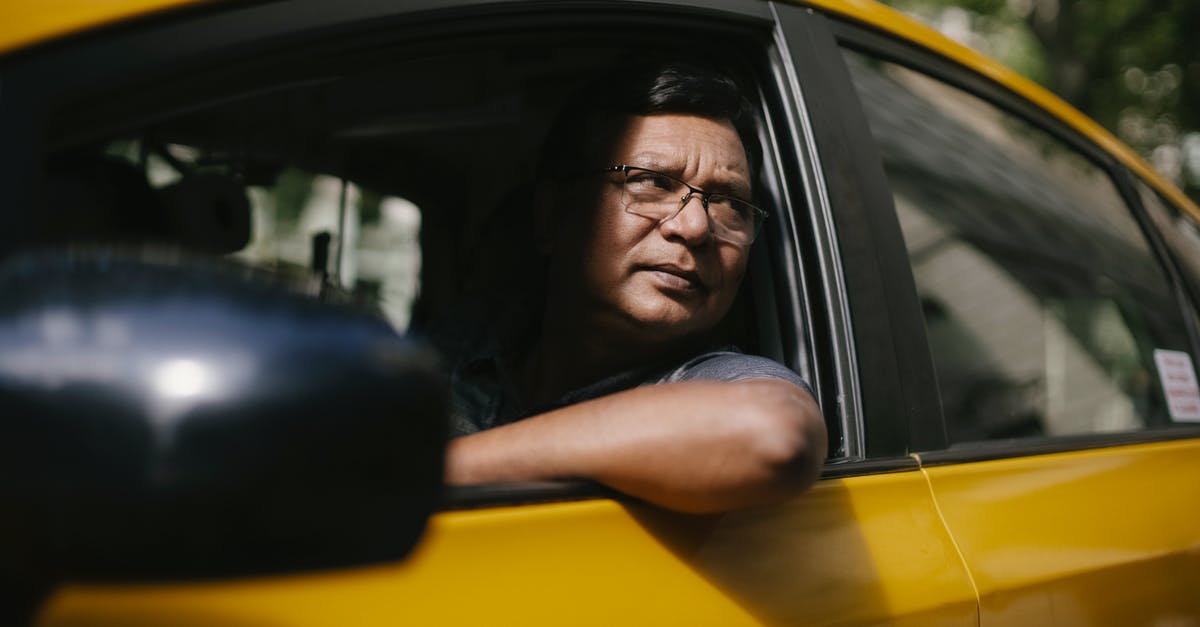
[689, 224]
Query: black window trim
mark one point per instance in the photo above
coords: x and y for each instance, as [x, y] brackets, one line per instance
[810, 258]
[1187, 285]
[1180, 287]
[988, 450]
[892, 367]
[888, 48]
[804, 331]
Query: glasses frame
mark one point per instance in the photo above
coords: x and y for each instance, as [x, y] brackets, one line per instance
[760, 214]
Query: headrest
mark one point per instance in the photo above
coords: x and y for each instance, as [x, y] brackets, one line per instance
[208, 212]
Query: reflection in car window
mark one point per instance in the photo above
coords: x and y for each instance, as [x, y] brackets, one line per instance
[1180, 231]
[1044, 305]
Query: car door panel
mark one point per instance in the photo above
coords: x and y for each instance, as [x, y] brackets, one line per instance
[866, 550]
[1095, 537]
[1063, 479]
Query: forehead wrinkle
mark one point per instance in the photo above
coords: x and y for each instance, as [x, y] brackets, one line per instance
[721, 165]
[731, 180]
[709, 159]
[655, 160]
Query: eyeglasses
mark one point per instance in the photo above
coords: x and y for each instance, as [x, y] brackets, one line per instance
[657, 196]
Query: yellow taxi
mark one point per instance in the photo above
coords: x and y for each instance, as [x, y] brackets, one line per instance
[995, 302]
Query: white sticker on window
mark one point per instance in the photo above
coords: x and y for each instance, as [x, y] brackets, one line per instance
[1178, 379]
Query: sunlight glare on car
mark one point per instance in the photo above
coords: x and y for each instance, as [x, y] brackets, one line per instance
[182, 378]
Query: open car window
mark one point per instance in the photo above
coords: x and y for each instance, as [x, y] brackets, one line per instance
[401, 184]
[400, 179]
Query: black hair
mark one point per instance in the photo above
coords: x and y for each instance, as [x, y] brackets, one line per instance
[641, 87]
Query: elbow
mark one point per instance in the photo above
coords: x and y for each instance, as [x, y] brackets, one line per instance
[788, 441]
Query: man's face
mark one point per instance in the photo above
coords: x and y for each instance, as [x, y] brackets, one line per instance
[641, 278]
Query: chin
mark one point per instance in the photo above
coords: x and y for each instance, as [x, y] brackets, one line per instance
[667, 321]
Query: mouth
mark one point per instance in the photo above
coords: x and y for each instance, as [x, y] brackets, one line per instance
[674, 277]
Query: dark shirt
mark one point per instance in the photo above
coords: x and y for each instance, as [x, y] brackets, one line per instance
[485, 397]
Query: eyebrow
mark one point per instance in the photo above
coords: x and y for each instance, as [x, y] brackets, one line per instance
[733, 189]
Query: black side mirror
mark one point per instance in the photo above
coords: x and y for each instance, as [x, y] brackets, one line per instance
[168, 419]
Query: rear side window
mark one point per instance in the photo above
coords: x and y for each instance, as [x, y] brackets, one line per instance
[1046, 311]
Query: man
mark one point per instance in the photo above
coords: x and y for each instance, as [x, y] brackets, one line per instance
[642, 213]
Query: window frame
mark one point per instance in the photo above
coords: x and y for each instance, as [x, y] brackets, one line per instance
[891, 371]
[39, 82]
[909, 55]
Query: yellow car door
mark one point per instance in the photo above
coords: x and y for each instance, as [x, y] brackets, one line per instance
[866, 550]
[1061, 328]
[1092, 537]
[866, 546]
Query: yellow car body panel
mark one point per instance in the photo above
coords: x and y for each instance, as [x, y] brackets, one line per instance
[1096, 537]
[25, 23]
[858, 551]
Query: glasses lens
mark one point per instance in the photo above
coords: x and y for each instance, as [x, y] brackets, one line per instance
[651, 194]
[657, 196]
[734, 220]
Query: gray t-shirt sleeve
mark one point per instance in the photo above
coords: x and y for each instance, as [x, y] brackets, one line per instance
[731, 366]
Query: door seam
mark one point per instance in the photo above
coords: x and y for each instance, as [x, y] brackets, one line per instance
[937, 508]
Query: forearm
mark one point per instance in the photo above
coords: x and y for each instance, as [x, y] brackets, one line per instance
[696, 446]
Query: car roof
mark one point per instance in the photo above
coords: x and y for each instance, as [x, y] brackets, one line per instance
[28, 23]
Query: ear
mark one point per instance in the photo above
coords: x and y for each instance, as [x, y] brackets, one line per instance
[545, 194]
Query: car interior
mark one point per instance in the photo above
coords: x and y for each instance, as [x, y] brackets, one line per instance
[397, 176]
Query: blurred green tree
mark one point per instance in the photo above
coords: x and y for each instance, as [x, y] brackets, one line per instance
[1132, 65]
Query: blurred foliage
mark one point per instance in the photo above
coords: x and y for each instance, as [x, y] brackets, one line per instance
[1132, 65]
